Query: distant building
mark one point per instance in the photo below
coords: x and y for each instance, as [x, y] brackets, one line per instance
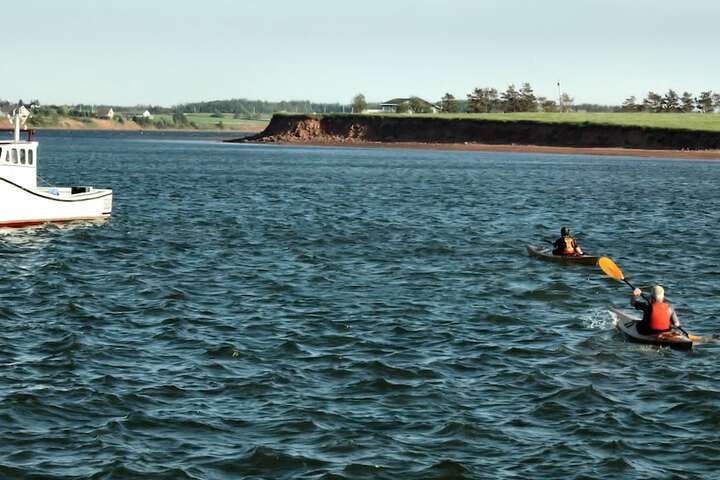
[104, 112]
[392, 106]
[21, 110]
[136, 115]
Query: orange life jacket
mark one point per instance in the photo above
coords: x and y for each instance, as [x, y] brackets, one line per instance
[569, 247]
[660, 316]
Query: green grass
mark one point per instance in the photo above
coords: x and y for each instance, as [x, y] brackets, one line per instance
[205, 121]
[687, 121]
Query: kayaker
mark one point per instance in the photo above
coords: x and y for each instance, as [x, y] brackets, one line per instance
[566, 244]
[658, 316]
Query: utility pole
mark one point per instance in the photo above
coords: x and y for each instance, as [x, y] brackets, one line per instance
[560, 103]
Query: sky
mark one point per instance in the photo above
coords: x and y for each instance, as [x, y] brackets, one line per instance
[162, 52]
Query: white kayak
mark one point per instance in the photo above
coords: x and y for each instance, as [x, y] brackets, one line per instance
[627, 325]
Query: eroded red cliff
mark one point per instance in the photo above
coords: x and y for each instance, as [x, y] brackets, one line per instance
[358, 129]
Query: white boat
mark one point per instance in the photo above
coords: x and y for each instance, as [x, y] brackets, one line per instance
[23, 202]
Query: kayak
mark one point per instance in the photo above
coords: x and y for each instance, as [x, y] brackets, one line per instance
[544, 253]
[627, 325]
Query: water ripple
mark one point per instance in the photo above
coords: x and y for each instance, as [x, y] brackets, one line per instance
[276, 312]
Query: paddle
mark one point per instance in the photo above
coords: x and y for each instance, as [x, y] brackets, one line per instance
[613, 271]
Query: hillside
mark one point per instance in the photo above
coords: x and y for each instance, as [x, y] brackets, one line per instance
[194, 121]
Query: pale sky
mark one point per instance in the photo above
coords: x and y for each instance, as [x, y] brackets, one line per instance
[175, 51]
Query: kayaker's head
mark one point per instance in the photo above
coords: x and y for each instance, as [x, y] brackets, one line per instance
[658, 293]
[565, 231]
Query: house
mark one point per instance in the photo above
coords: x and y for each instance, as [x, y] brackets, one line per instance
[392, 106]
[137, 115]
[104, 112]
[22, 110]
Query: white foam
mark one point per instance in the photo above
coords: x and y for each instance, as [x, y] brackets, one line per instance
[598, 319]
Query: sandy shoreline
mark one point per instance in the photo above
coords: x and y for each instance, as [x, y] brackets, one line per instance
[482, 147]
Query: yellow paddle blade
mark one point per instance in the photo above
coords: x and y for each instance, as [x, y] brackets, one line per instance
[610, 269]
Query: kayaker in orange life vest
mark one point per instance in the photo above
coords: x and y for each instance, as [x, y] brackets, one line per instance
[658, 316]
[566, 245]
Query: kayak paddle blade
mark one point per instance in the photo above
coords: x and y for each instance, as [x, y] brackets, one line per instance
[610, 269]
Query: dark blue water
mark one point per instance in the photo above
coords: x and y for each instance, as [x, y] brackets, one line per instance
[320, 313]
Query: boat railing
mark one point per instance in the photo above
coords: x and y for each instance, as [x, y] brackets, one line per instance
[30, 132]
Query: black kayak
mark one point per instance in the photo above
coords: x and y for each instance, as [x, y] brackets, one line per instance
[544, 253]
[627, 325]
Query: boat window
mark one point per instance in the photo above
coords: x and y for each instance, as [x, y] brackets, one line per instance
[14, 155]
[30, 157]
[22, 156]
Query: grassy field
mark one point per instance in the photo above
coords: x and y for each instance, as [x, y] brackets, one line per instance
[688, 121]
[205, 121]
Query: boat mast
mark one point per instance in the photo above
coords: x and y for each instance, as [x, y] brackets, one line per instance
[16, 118]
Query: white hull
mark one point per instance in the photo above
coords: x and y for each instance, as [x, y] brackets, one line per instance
[23, 203]
[22, 206]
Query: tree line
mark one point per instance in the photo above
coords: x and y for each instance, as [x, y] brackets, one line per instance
[255, 108]
[513, 99]
[706, 102]
[488, 100]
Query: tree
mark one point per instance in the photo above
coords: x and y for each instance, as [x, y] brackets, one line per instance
[653, 102]
[511, 99]
[547, 105]
[359, 104]
[448, 104]
[671, 101]
[179, 119]
[687, 102]
[566, 102]
[404, 107]
[483, 100]
[716, 101]
[705, 102]
[473, 102]
[630, 105]
[527, 101]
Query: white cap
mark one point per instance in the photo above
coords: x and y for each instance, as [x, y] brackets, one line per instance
[658, 293]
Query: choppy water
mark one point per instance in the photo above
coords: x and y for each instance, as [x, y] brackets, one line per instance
[319, 313]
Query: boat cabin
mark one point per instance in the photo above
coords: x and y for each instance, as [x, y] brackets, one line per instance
[18, 161]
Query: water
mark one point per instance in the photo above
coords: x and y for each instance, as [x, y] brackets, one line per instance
[321, 313]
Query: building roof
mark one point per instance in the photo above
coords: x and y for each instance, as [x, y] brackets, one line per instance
[396, 101]
[400, 101]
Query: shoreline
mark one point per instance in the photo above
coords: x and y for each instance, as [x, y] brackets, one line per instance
[71, 129]
[509, 148]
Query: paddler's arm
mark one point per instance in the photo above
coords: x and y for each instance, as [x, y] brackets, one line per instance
[634, 302]
[578, 250]
[674, 317]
